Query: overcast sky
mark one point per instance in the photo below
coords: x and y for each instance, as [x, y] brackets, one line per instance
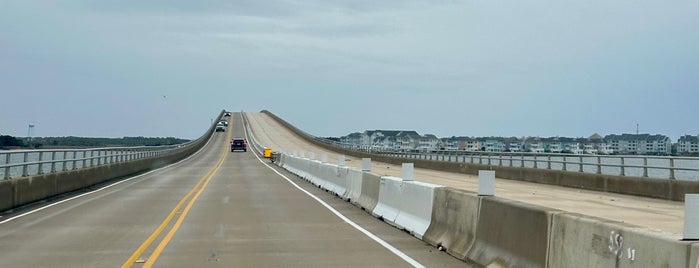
[465, 68]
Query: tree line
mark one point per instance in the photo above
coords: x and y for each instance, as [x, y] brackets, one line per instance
[85, 142]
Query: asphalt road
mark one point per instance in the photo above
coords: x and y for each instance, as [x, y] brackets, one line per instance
[215, 209]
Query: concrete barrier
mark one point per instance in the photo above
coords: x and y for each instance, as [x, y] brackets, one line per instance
[491, 231]
[416, 200]
[694, 256]
[298, 166]
[354, 184]
[511, 234]
[31, 189]
[390, 198]
[369, 196]
[7, 193]
[454, 219]
[332, 178]
[583, 241]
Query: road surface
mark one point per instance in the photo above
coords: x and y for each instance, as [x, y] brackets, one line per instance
[215, 209]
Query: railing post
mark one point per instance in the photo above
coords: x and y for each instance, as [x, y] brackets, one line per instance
[565, 163]
[623, 170]
[581, 165]
[75, 159]
[99, 158]
[599, 164]
[521, 163]
[40, 169]
[53, 162]
[511, 157]
[548, 163]
[65, 163]
[672, 168]
[24, 167]
[84, 159]
[7, 162]
[92, 158]
[536, 163]
[645, 167]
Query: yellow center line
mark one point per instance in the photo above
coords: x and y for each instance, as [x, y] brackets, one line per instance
[203, 182]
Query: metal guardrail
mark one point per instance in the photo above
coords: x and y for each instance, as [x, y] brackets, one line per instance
[23, 163]
[661, 167]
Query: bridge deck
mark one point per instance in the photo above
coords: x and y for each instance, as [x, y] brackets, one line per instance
[242, 214]
[664, 216]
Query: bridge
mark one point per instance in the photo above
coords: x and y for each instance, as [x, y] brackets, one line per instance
[322, 205]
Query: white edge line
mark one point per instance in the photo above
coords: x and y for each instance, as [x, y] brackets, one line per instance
[103, 188]
[385, 244]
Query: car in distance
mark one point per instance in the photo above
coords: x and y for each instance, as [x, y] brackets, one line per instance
[227, 114]
[239, 144]
[224, 122]
[220, 127]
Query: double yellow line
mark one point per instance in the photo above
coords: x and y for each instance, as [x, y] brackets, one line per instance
[196, 191]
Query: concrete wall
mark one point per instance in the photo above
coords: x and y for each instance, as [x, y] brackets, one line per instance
[656, 188]
[21, 191]
[495, 232]
[454, 219]
[369, 196]
[511, 234]
[583, 241]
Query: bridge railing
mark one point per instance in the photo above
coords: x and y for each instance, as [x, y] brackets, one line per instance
[23, 163]
[660, 167]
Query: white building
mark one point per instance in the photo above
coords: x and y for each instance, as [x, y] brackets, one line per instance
[688, 144]
[428, 142]
[639, 144]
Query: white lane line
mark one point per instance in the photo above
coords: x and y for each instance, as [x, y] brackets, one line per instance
[103, 188]
[385, 244]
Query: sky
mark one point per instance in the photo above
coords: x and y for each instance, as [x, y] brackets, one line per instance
[165, 68]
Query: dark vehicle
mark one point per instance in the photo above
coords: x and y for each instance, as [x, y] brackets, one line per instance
[227, 114]
[239, 144]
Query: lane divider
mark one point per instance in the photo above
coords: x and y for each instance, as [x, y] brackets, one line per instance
[196, 191]
[377, 239]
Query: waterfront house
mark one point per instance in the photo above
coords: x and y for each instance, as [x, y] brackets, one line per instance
[472, 145]
[534, 145]
[639, 144]
[428, 142]
[688, 144]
